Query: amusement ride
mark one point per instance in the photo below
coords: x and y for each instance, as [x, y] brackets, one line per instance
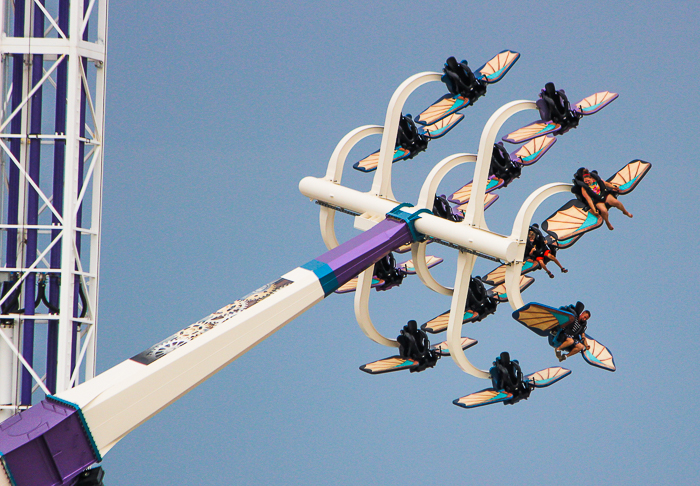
[61, 439]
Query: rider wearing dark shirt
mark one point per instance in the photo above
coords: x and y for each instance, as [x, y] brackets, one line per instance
[573, 336]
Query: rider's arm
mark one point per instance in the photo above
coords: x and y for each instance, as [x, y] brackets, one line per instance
[589, 201]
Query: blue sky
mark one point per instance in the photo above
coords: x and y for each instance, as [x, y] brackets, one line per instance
[214, 114]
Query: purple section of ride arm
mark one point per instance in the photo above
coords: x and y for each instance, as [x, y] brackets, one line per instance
[45, 445]
[354, 256]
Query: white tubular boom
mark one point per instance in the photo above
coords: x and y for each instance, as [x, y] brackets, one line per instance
[425, 201]
[120, 399]
[519, 234]
[335, 174]
[381, 185]
[364, 286]
[479, 240]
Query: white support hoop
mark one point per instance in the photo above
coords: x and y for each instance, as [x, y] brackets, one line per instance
[364, 286]
[381, 185]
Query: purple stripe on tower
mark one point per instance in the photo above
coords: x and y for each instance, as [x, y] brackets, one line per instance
[58, 176]
[15, 143]
[32, 211]
[352, 257]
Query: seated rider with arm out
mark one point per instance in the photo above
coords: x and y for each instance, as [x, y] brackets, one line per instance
[573, 336]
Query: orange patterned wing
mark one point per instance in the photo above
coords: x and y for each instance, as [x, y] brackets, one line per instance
[430, 261]
[630, 175]
[595, 102]
[444, 106]
[598, 355]
[386, 365]
[483, 397]
[571, 220]
[369, 163]
[351, 285]
[462, 195]
[407, 247]
[533, 150]
[535, 129]
[442, 349]
[494, 70]
[499, 292]
[549, 376]
[444, 125]
[542, 318]
[495, 277]
[489, 199]
[439, 323]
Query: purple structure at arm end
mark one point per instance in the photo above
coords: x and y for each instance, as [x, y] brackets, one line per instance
[351, 258]
[47, 444]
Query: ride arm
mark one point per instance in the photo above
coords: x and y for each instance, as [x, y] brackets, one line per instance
[117, 401]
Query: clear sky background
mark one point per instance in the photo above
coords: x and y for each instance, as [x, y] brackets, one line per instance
[216, 110]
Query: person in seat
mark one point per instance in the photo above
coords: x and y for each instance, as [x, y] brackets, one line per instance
[597, 194]
[572, 338]
[537, 250]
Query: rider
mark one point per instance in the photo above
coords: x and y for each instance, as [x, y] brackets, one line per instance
[573, 336]
[537, 249]
[597, 194]
[414, 345]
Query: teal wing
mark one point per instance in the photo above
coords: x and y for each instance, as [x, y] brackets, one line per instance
[494, 70]
[483, 397]
[445, 106]
[499, 292]
[541, 319]
[630, 175]
[444, 125]
[533, 150]
[595, 102]
[351, 285]
[369, 163]
[430, 261]
[439, 323]
[387, 365]
[571, 220]
[546, 377]
[598, 355]
[535, 129]
[442, 349]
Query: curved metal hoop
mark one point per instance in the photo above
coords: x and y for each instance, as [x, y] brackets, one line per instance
[381, 185]
[519, 233]
[364, 286]
[335, 173]
[425, 200]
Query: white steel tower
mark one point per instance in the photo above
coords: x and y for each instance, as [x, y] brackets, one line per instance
[52, 73]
